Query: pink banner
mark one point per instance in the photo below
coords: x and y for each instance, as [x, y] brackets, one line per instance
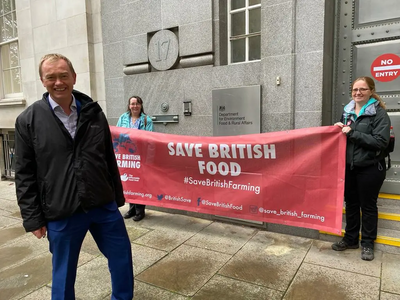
[291, 177]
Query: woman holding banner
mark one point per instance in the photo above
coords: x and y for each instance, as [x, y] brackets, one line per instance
[135, 118]
[367, 127]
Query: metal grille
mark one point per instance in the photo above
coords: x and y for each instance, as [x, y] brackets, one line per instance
[8, 147]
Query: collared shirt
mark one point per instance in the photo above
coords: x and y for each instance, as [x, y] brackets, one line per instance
[70, 121]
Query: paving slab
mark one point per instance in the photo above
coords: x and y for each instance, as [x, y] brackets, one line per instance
[89, 245]
[182, 257]
[84, 258]
[135, 232]
[29, 248]
[7, 235]
[146, 291]
[222, 237]
[11, 212]
[17, 215]
[391, 273]
[43, 293]
[234, 290]
[166, 221]
[108, 297]
[165, 239]
[8, 191]
[93, 280]
[6, 221]
[166, 231]
[313, 282]
[388, 296]
[22, 249]
[4, 212]
[268, 259]
[10, 196]
[9, 205]
[19, 280]
[185, 270]
[144, 257]
[350, 260]
[7, 185]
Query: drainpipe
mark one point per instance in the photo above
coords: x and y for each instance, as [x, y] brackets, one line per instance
[293, 56]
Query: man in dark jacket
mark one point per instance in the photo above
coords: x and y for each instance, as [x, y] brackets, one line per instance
[68, 181]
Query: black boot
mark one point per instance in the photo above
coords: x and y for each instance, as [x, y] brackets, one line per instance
[131, 212]
[138, 217]
[139, 212]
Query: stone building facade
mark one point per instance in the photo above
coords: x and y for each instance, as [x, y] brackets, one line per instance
[296, 47]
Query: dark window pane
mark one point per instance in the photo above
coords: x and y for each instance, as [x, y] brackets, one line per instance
[238, 25]
[238, 50]
[255, 20]
[255, 47]
[235, 4]
[254, 2]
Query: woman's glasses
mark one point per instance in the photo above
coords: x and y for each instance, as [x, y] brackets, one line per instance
[135, 104]
[361, 90]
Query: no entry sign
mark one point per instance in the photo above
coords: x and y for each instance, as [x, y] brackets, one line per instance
[386, 67]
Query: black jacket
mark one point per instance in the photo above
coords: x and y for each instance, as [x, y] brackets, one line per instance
[56, 175]
[369, 136]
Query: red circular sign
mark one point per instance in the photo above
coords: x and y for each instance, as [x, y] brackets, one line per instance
[386, 67]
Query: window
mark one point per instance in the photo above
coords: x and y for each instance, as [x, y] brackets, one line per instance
[244, 20]
[10, 66]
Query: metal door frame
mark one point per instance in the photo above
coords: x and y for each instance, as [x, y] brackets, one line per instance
[348, 34]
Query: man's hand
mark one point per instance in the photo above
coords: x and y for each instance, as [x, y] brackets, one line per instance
[40, 233]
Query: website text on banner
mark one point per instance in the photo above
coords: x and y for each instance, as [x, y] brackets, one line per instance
[291, 177]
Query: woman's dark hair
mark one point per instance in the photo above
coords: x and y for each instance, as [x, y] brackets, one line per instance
[139, 100]
[371, 85]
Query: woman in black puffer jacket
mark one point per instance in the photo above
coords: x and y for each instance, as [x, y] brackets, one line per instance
[367, 127]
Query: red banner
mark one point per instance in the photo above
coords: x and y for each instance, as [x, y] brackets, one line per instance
[291, 177]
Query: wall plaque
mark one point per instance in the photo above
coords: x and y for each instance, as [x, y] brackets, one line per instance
[236, 111]
[163, 50]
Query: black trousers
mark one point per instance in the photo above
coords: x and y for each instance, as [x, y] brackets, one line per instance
[362, 187]
[137, 209]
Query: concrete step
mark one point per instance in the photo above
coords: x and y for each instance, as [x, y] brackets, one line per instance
[388, 238]
[387, 223]
[388, 217]
[389, 199]
[384, 242]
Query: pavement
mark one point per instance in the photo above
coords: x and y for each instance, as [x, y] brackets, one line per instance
[183, 257]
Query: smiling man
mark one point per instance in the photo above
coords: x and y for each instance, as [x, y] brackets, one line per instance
[68, 181]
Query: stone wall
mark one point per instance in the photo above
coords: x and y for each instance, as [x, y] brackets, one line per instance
[296, 46]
